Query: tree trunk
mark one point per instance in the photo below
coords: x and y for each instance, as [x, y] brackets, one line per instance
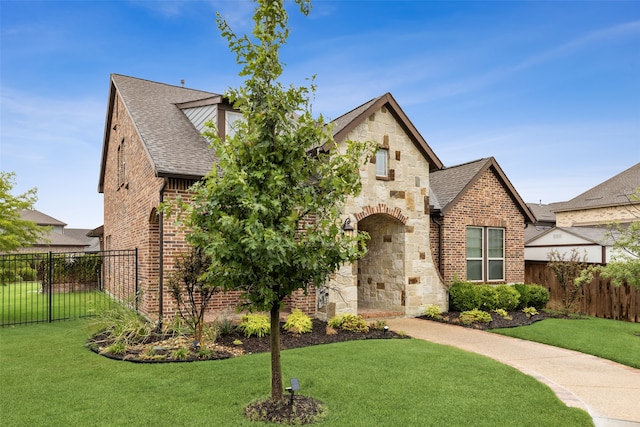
[276, 367]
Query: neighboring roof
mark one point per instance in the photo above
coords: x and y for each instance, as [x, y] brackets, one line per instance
[448, 185]
[174, 146]
[543, 213]
[53, 238]
[39, 218]
[597, 235]
[615, 191]
[347, 122]
[82, 235]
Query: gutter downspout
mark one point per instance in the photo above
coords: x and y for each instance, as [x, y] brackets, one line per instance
[161, 256]
[440, 240]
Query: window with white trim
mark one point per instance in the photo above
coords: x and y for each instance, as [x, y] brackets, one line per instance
[381, 162]
[231, 117]
[485, 254]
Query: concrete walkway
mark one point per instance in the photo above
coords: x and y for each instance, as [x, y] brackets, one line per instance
[610, 392]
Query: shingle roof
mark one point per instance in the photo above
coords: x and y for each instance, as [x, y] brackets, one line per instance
[81, 235]
[598, 235]
[447, 185]
[173, 144]
[613, 192]
[343, 121]
[39, 218]
[543, 213]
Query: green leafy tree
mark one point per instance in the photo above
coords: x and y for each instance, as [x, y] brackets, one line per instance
[625, 264]
[268, 214]
[16, 232]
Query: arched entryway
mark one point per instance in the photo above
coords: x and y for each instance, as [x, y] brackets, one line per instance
[381, 272]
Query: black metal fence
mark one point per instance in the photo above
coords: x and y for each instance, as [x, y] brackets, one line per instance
[45, 287]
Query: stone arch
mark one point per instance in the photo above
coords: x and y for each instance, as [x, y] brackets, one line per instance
[381, 272]
[381, 208]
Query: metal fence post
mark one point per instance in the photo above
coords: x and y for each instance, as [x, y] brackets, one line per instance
[50, 286]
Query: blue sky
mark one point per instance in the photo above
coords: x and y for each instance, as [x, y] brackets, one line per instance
[551, 89]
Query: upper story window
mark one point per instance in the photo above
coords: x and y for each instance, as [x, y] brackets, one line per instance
[382, 161]
[485, 254]
[231, 117]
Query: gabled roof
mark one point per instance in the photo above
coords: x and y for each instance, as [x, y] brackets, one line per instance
[596, 235]
[39, 218]
[615, 191]
[173, 145]
[448, 185]
[347, 122]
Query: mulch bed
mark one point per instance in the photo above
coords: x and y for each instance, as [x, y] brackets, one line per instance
[518, 318]
[162, 349]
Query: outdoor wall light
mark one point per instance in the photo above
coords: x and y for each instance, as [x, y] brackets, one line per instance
[347, 228]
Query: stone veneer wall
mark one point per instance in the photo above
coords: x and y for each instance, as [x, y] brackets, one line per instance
[403, 196]
[485, 204]
[586, 217]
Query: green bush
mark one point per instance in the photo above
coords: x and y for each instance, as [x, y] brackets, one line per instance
[507, 297]
[473, 316]
[530, 311]
[487, 296]
[502, 313]
[433, 311]
[463, 296]
[298, 323]
[349, 322]
[532, 295]
[255, 324]
[378, 325]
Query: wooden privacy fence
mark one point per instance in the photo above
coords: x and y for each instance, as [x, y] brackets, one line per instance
[599, 298]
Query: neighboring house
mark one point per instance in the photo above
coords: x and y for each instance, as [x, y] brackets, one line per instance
[477, 223]
[153, 151]
[583, 223]
[595, 243]
[58, 238]
[606, 203]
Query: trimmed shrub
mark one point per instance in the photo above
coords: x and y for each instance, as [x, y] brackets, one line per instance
[349, 322]
[298, 323]
[473, 316]
[532, 295]
[433, 311]
[488, 297]
[463, 296]
[507, 297]
[255, 324]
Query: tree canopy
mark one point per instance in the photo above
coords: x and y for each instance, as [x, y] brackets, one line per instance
[16, 232]
[268, 215]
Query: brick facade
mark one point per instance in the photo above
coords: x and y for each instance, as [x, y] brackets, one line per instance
[487, 203]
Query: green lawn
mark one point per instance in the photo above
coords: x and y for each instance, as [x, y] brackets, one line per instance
[610, 339]
[24, 303]
[49, 378]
